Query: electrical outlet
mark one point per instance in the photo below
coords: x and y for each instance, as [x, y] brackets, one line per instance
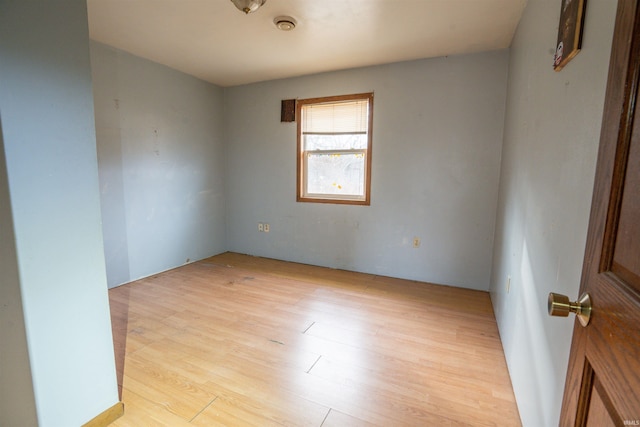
[508, 283]
[260, 226]
[416, 242]
[266, 228]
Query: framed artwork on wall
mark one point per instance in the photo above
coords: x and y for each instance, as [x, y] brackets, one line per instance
[569, 32]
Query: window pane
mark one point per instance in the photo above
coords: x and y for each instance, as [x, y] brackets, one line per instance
[335, 142]
[335, 174]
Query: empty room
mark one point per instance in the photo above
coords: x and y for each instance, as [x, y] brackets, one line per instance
[319, 213]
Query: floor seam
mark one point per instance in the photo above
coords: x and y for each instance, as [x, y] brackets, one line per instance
[305, 331]
[202, 410]
[325, 417]
[314, 364]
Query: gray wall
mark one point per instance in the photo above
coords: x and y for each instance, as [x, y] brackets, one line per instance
[551, 139]
[437, 137]
[161, 163]
[58, 259]
[17, 401]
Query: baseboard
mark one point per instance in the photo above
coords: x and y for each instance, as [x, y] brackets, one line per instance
[107, 417]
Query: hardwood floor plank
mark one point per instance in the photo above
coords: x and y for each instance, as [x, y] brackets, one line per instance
[338, 419]
[238, 340]
[233, 409]
[142, 412]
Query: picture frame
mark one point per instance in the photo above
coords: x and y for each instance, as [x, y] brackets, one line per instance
[570, 29]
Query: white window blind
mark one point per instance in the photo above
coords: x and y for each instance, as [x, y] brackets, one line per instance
[348, 117]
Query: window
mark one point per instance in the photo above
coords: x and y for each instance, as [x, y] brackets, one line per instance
[334, 149]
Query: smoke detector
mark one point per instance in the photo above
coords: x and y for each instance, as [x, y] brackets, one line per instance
[285, 23]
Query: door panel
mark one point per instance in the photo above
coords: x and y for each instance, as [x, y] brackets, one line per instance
[603, 379]
[599, 414]
[626, 263]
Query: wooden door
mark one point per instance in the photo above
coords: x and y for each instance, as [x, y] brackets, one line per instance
[603, 380]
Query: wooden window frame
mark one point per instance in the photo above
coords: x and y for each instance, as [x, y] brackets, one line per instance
[301, 164]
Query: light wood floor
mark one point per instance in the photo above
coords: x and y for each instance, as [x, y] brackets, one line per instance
[243, 341]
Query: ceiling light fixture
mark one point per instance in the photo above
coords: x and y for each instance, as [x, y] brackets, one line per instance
[248, 6]
[285, 23]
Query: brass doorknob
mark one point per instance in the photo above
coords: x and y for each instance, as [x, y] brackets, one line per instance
[559, 305]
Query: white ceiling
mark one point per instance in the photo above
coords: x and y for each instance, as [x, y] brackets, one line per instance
[214, 41]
